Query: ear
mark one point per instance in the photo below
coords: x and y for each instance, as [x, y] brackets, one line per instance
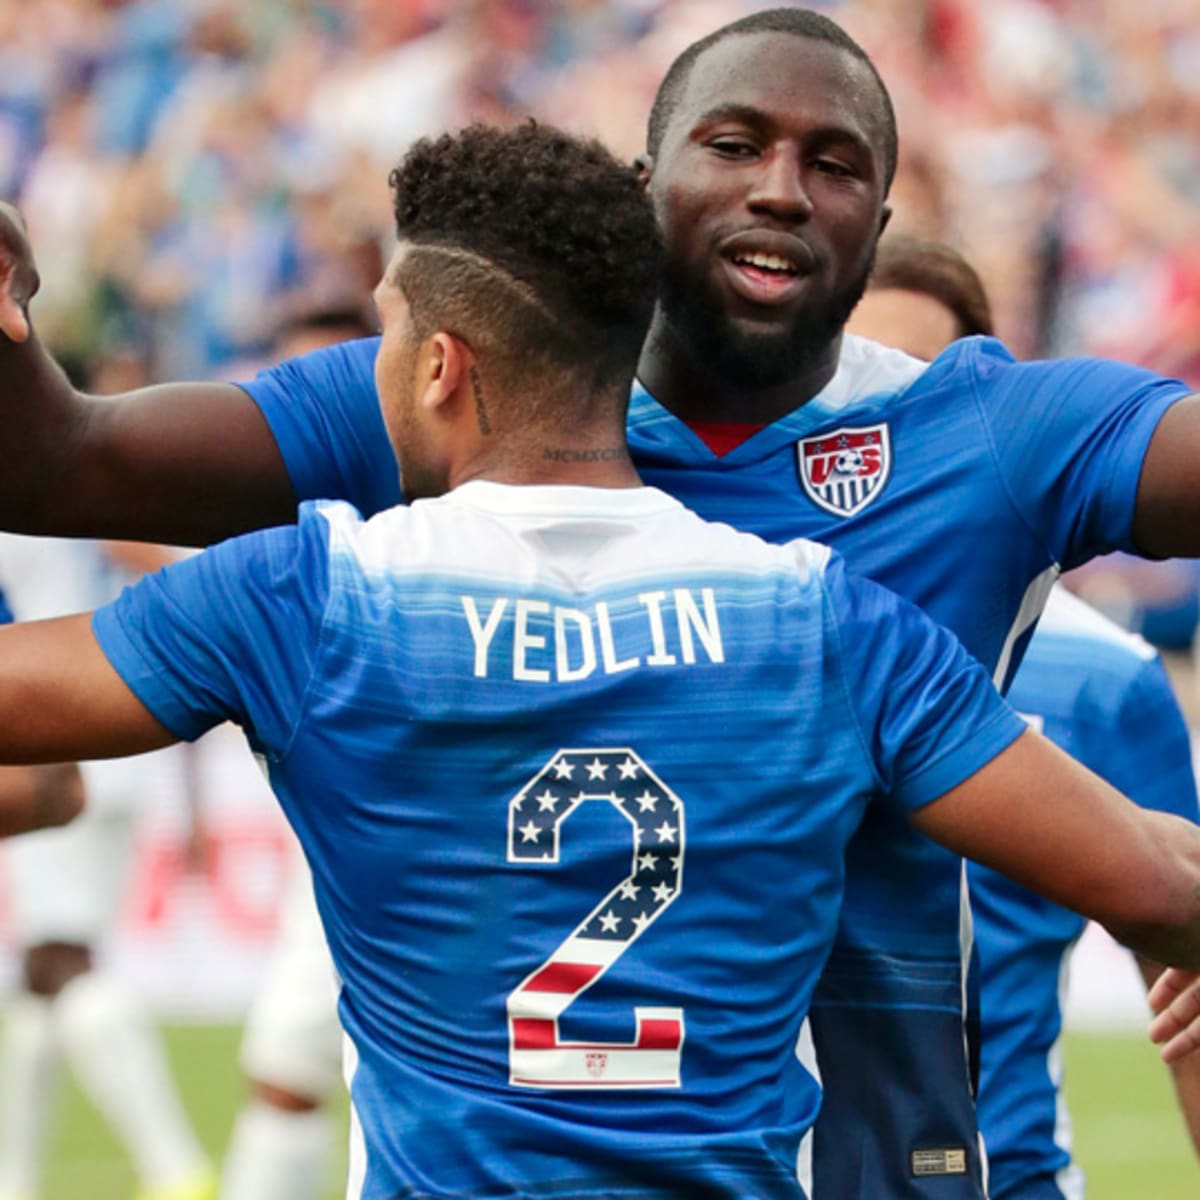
[441, 371]
[885, 217]
[644, 166]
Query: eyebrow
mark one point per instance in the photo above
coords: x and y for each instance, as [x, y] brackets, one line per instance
[745, 113]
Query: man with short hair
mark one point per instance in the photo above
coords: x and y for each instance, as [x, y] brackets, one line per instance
[771, 148]
[577, 890]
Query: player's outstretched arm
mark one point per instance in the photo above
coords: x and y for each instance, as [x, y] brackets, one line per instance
[61, 700]
[1036, 815]
[181, 463]
[39, 797]
[1167, 516]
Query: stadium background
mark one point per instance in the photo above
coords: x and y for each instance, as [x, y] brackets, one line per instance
[197, 174]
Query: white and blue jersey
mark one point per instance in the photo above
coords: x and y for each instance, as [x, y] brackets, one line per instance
[1103, 696]
[965, 486]
[574, 771]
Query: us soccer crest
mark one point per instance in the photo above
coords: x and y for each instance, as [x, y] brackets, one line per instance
[844, 470]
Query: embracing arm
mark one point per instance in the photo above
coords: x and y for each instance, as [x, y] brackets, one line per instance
[181, 463]
[1167, 516]
[61, 699]
[1035, 814]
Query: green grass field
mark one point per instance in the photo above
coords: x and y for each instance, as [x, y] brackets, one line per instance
[1128, 1132]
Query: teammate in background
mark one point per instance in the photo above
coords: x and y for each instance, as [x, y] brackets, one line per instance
[65, 886]
[771, 148]
[921, 296]
[411, 682]
[1102, 695]
[38, 798]
[291, 1050]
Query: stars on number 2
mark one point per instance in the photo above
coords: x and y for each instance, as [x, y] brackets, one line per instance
[538, 815]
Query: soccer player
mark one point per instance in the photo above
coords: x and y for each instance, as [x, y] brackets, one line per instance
[65, 887]
[577, 888]
[771, 146]
[1104, 697]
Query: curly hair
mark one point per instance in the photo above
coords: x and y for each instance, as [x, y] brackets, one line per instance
[798, 22]
[539, 244]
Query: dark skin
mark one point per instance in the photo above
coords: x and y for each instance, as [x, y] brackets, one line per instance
[192, 463]
[751, 160]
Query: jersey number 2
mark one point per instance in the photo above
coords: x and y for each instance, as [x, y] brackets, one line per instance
[538, 1057]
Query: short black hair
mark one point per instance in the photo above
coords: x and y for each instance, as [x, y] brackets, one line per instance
[798, 22]
[541, 244]
[935, 269]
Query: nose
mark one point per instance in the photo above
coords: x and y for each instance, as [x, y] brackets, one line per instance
[779, 187]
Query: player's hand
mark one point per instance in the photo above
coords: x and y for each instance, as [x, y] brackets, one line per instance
[18, 274]
[1175, 1001]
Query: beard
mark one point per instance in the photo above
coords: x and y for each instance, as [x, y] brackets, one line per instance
[752, 361]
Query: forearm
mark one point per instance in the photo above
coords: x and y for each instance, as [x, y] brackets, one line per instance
[185, 464]
[45, 422]
[1035, 814]
[1164, 852]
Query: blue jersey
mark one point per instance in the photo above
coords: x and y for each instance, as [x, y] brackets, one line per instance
[1104, 697]
[574, 771]
[964, 485]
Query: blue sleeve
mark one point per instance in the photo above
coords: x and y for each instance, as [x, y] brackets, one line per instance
[927, 712]
[324, 413]
[1069, 438]
[227, 635]
[5, 612]
[1144, 749]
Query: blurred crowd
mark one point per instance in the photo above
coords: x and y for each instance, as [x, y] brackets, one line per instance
[198, 174]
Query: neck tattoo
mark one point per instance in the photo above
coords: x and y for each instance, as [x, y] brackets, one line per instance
[485, 426]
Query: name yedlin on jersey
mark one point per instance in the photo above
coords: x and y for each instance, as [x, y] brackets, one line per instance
[576, 635]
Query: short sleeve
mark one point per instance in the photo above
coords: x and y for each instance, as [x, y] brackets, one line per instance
[5, 612]
[324, 414]
[1069, 438]
[1145, 749]
[231, 634]
[927, 712]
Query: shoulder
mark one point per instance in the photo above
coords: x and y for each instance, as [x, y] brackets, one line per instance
[874, 376]
[868, 369]
[990, 365]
